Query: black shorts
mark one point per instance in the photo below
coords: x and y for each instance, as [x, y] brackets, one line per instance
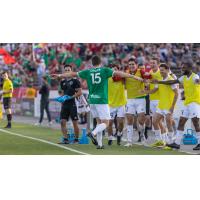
[69, 111]
[7, 102]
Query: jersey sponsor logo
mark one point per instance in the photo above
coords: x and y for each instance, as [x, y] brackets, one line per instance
[95, 96]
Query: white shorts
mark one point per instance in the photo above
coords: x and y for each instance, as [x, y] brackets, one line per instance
[117, 111]
[135, 106]
[83, 109]
[162, 112]
[191, 110]
[153, 106]
[101, 111]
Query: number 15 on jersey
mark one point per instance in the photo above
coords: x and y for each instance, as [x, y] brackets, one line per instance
[96, 79]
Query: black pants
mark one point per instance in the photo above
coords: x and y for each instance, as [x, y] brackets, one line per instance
[44, 105]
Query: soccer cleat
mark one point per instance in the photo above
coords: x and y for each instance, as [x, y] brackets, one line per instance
[110, 142]
[128, 145]
[100, 147]
[197, 147]
[8, 126]
[174, 146]
[158, 144]
[38, 124]
[50, 124]
[64, 141]
[119, 140]
[167, 148]
[93, 139]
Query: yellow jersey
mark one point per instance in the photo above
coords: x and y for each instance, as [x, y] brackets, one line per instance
[116, 93]
[134, 87]
[166, 95]
[191, 90]
[7, 85]
[155, 75]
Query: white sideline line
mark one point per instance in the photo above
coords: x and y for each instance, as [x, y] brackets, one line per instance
[146, 145]
[44, 141]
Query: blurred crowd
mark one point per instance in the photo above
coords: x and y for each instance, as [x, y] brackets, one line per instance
[32, 61]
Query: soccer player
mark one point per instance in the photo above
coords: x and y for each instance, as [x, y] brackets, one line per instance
[7, 97]
[153, 92]
[191, 85]
[136, 103]
[97, 81]
[168, 96]
[72, 88]
[117, 102]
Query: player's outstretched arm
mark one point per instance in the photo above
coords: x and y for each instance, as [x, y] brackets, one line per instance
[65, 75]
[126, 75]
[169, 82]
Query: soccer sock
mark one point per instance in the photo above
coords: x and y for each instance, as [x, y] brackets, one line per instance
[99, 128]
[119, 133]
[109, 137]
[198, 137]
[158, 135]
[99, 138]
[130, 133]
[179, 136]
[170, 136]
[142, 129]
[165, 136]
[9, 118]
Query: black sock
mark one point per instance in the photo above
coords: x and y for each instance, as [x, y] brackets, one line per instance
[145, 132]
[9, 118]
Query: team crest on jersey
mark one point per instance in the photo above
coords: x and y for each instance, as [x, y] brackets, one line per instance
[71, 82]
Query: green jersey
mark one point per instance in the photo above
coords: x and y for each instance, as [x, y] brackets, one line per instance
[97, 81]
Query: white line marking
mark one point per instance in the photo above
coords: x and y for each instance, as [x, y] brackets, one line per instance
[146, 145]
[44, 141]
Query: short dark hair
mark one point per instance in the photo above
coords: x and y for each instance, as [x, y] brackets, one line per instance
[165, 66]
[96, 60]
[4, 72]
[189, 64]
[67, 65]
[112, 65]
[156, 59]
[131, 60]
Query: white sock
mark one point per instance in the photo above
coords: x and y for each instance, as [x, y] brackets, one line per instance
[163, 137]
[158, 135]
[99, 128]
[130, 133]
[179, 136]
[198, 137]
[99, 138]
[170, 136]
[142, 129]
[110, 137]
[119, 133]
[166, 139]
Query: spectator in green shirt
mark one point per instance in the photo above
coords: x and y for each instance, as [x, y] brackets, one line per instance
[17, 81]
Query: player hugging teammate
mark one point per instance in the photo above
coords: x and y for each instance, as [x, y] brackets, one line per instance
[107, 100]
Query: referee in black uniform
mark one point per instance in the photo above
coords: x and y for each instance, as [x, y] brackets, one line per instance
[70, 87]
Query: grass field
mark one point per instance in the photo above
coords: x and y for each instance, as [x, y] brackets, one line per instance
[25, 139]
